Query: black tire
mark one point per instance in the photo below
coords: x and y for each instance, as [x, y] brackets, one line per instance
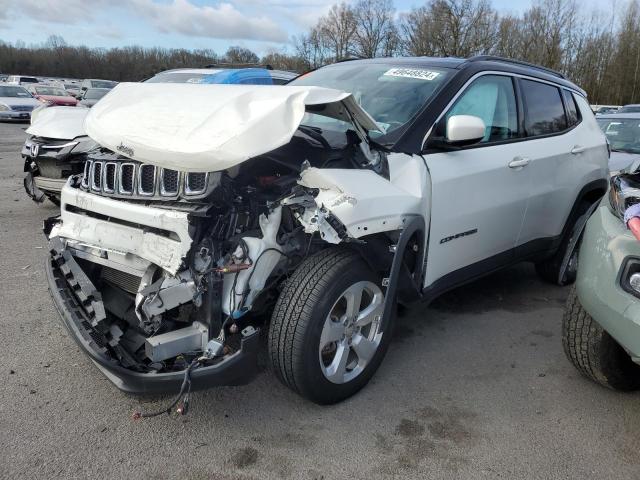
[299, 317]
[549, 269]
[594, 352]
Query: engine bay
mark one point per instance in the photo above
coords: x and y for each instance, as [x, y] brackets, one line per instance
[240, 233]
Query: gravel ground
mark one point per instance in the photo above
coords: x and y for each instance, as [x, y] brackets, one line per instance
[474, 386]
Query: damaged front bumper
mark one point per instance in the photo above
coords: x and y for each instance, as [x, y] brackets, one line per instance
[80, 306]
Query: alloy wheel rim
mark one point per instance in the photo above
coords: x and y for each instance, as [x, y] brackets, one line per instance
[352, 332]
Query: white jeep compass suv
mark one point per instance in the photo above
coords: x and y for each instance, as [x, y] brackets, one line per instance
[209, 212]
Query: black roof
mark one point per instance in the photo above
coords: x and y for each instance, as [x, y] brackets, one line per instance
[478, 64]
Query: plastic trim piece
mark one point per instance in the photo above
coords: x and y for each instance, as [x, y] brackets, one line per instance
[236, 369]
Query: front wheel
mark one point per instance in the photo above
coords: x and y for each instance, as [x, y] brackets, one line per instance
[327, 337]
[593, 351]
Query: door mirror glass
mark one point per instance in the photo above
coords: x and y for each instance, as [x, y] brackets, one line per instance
[465, 129]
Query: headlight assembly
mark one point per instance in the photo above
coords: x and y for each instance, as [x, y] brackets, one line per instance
[624, 191]
[630, 276]
[3, 107]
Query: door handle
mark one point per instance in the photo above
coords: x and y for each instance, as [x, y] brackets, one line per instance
[577, 149]
[519, 162]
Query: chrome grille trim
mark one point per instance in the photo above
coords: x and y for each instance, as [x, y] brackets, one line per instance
[141, 180]
[190, 179]
[164, 181]
[109, 177]
[96, 174]
[87, 173]
[121, 187]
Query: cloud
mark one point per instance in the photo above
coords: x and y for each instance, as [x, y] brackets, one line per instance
[302, 13]
[223, 21]
[54, 11]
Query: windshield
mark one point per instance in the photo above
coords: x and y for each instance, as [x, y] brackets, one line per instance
[94, 94]
[59, 92]
[14, 92]
[391, 95]
[243, 76]
[182, 77]
[28, 80]
[630, 109]
[623, 134]
[103, 84]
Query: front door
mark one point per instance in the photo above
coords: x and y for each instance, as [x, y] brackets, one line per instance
[479, 193]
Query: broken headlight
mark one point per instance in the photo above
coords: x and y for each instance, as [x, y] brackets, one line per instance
[624, 191]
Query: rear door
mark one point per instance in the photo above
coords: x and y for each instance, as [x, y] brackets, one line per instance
[552, 146]
[479, 193]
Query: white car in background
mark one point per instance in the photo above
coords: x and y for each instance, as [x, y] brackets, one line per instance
[623, 134]
[22, 80]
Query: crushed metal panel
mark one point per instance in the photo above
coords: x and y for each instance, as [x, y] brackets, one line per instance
[363, 201]
[122, 238]
[64, 123]
[206, 128]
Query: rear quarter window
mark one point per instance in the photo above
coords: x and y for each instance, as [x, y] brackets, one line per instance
[544, 110]
[573, 115]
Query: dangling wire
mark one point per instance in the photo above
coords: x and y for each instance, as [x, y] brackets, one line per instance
[185, 390]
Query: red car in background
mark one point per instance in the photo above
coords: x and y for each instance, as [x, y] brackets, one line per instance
[53, 95]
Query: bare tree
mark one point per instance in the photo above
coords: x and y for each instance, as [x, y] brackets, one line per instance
[450, 28]
[240, 55]
[415, 28]
[376, 33]
[336, 31]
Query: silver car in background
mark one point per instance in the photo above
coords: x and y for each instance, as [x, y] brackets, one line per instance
[16, 103]
[623, 134]
[90, 97]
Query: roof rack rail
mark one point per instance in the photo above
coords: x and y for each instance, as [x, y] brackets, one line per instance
[350, 59]
[494, 58]
[238, 65]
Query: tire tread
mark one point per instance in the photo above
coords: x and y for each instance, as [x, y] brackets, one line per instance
[593, 351]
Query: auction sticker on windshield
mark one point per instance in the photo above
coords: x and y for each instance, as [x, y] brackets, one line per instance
[418, 73]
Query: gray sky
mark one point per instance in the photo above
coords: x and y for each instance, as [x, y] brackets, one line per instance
[261, 25]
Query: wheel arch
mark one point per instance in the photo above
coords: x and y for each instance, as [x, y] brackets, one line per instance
[398, 256]
[589, 194]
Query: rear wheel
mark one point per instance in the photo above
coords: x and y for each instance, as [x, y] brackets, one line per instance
[593, 351]
[326, 337]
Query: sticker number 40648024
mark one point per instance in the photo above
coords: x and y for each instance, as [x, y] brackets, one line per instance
[412, 73]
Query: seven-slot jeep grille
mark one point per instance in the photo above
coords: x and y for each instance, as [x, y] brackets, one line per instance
[141, 180]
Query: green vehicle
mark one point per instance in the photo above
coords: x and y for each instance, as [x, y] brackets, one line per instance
[601, 324]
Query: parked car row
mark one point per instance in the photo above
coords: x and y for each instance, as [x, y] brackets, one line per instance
[611, 109]
[66, 88]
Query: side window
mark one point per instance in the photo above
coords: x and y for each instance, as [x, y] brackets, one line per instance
[544, 112]
[491, 98]
[573, 117]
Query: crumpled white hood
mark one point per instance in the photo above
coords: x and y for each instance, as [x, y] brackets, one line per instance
[65, 123]
[202, 128]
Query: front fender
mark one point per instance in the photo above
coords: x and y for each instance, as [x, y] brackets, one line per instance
[363, 201]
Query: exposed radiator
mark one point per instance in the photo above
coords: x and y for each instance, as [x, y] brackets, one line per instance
[126, 281]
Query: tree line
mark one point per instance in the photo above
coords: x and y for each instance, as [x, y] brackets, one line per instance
[599, 50]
